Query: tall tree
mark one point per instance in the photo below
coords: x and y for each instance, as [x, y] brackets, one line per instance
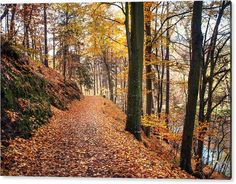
[45, 36]
[193, 82]
[167, 57]
[133, 122]
[12, 23]
[211, 59]
[159, 69]
[65, 44]
[27, 16]
[127, 30]
[53, 50]
[148, 52]
[108, 71]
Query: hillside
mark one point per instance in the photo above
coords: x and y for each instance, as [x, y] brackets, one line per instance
[29, 90]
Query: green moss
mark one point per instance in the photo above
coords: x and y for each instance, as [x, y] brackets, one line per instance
[9, 97]
[31, 88]
[9, 50]
[27, 94]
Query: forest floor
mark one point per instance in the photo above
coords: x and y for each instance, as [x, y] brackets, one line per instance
[87, 140]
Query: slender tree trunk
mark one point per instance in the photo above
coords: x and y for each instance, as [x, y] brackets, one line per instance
[97, 78]
[53, 51]
[25, 19]
[109, 77]
[127, 30]
[193, 82]
[208, 150]
[156, 84]
[100, 78]
[124, 87]
[167, 58]
[223, 163]
[94, 78]
[40, 53]
[28, 11]
[161, 90]
[133, 122]
[116, 82]
[65, 45]
[7, 24]
[65, 57]
[12, 22]
[125, 97]
[148, 52]
[161, 71]
[45, 36]
[33, 41]
[226, 165]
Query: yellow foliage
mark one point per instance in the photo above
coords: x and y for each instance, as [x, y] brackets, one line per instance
[204, 130]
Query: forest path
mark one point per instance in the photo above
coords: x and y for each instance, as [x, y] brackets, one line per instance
[86, 140]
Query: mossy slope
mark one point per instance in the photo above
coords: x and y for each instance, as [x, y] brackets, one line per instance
[27, 93]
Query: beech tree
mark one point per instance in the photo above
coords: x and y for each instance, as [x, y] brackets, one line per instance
[167, 57]
[148, 52]
[135, 70]
[193, 82]
[45, 36]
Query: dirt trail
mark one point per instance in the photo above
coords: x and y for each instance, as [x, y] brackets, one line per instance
[85, 141]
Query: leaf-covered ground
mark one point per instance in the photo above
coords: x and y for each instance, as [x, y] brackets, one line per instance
[88, 140]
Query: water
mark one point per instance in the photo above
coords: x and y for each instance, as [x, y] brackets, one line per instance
[220, 162]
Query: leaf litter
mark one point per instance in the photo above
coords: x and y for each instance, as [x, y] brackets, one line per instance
[87, 140]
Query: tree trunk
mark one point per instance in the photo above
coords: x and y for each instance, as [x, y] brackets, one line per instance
[148, 52]
[167, 58]
[27, 20]
[54, 51]
[65, 58]
[109, 77]
[97, 78]
[12, 23]
[7, 24]
[127, 30]
[133, 122]
[193, 82]
[223, 163]
[94, 78]
[65, 45]
[45, 36]
[100, 78]
[208, 150]
[160, 89]
[210, 58]
[116, 82]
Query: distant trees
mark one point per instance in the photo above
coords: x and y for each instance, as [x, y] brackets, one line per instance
[193, 82]
[133, 122]
[9, 9]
